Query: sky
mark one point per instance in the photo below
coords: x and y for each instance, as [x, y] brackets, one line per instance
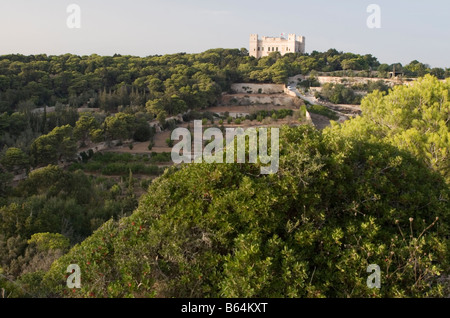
[410, 29]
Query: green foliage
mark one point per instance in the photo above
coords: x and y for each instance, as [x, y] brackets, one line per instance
[49, 241]
[61, 116]
[113, 164]
[119, 127]
[5, 180]
[143, 131]
[339, 94]
[335, 206]
[416, 69]
[310, 82]
[323, 110]
[378, 85]
[43, 214]
[170, 83]
[57, 145]
[365, 192]
[274, 113]
[161, 157]
[86, 127]
[169, 142]
[372, 86]
[15, 159]
[413, 118]
[123, 169]
[161, 117]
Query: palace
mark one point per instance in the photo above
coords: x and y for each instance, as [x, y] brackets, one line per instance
[266, 45]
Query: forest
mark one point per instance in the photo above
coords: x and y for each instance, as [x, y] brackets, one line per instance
[373, 190]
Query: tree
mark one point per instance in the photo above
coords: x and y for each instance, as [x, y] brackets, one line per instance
[120, 126]
[438, 72]
[15, 160]
[57, 145]
[383, 70]
[334, 198]
[378, 85]
[350, 64]
[5, 179]
[85, 127]
[413, 118]
[339, 94]
[416, 69]
[161, 117]
[49, 241]
[142, 130]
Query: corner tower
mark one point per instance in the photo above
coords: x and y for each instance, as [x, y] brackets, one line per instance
[253, 48]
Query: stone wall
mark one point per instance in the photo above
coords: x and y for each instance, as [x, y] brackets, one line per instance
[351, 80]
[259, 99]
[249, 88]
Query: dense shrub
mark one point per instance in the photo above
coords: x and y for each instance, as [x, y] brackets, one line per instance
[336, 206]
[324, 111]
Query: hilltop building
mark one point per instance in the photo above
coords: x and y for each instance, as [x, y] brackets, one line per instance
[266, 45]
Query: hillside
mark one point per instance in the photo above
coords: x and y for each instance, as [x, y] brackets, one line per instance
[371, 190]
[336, 206]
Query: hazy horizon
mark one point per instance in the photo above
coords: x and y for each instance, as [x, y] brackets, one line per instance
[410, 30]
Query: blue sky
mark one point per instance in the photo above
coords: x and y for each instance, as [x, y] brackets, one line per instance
[410, 29]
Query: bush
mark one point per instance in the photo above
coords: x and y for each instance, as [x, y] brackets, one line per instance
[111, 157]
[324, 111]
[143, 132]
[92, 166]
[161, 157]
[115, 169]
[75, 167]
[332, 209]
[339, 94]
[169, 142]
[145, 183]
